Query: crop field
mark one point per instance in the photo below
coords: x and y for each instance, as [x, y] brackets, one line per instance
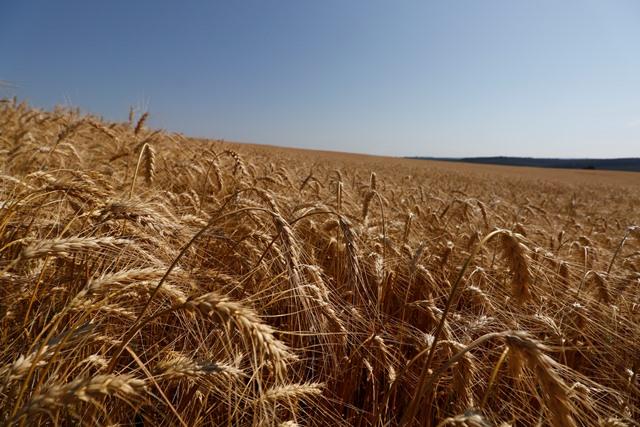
[151, 279]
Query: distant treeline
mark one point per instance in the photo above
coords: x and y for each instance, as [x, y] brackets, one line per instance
[624, 164]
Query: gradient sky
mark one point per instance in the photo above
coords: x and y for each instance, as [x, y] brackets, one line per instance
[452, 78]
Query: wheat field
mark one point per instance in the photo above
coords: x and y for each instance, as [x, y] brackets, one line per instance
[152, 279]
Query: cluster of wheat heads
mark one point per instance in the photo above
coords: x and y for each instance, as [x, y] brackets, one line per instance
[150, 279]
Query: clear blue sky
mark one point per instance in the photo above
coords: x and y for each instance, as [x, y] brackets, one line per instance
[452, 78]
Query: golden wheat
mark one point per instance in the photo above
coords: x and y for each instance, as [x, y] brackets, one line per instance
[246, 285]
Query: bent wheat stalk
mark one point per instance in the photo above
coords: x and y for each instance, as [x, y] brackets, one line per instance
[139, 323]
[424, 382]
[84, 389]
[259, 334]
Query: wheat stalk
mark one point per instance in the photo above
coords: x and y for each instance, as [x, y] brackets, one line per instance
[64, 247]
[83, 389]
[248, 323]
